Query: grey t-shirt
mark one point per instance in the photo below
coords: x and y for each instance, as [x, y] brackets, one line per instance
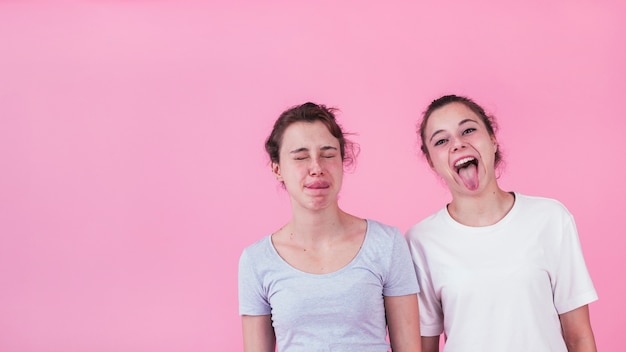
[340, 311]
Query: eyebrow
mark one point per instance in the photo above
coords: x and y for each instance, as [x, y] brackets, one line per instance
[460, 123]
[303, 149]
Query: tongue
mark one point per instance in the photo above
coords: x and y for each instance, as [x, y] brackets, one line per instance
[469, 175]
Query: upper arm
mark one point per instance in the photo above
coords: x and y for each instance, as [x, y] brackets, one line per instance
[430, 343]
[258, 333]
[403, 320]
[577, 331]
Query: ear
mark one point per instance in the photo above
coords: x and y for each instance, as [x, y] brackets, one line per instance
[495, 143]
[276, 171]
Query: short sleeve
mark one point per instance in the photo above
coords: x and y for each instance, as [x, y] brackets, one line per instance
[401, 279]
[252, 297]
[571, 282]
[431, 312]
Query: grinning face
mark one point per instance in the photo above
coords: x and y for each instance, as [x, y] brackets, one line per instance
[310, 165]
[460, 148]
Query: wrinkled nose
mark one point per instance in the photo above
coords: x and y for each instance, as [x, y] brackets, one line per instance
[315, 169]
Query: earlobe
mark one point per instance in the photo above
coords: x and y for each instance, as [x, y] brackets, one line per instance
[276, 171]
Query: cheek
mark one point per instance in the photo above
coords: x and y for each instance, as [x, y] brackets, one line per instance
[333, 163]
[291, 170]
[492, 148]
[438, 156]
[439, 163]
[440, 167]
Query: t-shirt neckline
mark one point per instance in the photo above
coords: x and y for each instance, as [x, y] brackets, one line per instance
[336, 272]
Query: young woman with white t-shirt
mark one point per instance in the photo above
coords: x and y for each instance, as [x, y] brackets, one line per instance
[498, 271]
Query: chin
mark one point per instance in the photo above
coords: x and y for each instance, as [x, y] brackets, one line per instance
[320, 205]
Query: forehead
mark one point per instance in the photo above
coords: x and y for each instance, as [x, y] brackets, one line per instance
[307, 134]
[450, 115]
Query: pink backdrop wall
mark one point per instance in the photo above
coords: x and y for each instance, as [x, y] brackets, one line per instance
[131, 144]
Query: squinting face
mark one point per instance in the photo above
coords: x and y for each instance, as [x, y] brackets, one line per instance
[460, 148]
[310, 165]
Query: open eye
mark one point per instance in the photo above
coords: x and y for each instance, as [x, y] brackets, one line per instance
[469, 130]
[440, 142]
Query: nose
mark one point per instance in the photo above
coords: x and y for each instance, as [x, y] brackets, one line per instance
[315, 168]
[457, 144]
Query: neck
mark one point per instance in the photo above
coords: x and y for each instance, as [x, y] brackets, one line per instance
[484, 209]
[317, 225]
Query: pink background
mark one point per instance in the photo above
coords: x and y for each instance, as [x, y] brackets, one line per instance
[131, 142]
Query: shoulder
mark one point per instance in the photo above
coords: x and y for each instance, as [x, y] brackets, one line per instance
[541, 205]
[259, 249]
[382, 231]
[429, 225]
[260, 258]
[383, 237]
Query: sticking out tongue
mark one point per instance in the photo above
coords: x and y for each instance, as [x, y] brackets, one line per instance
[469, 175]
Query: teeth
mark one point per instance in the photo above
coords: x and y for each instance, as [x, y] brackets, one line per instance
[463, 161]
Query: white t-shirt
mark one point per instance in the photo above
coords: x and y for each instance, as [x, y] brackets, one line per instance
[500, 287]
[340, 311]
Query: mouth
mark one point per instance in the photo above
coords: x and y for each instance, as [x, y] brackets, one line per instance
[318, 185]
[467, 169]
[465, 163]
